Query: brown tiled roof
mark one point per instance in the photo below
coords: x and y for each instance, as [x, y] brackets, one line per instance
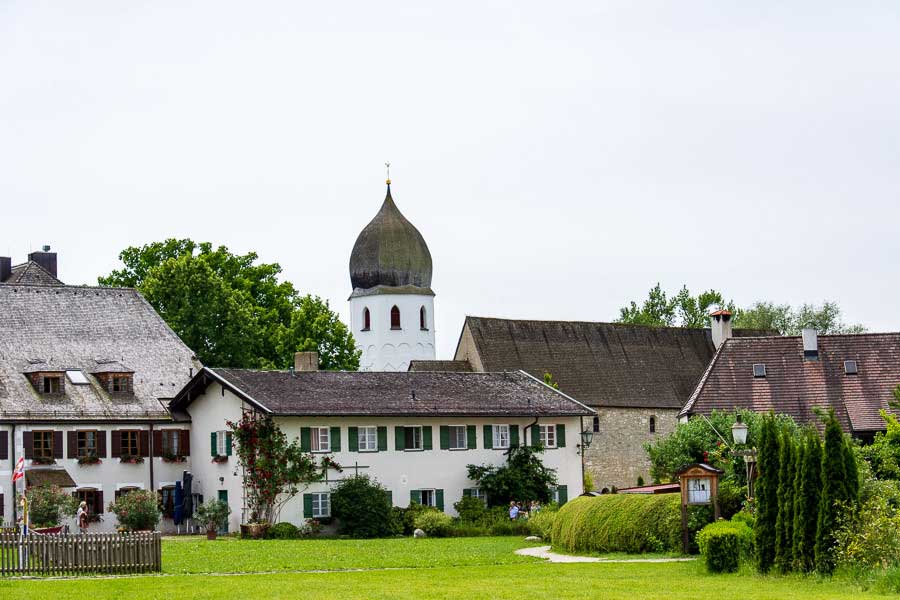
[31, 273]
[449, 366]
[35, 476]
[69, 328]
[797, 386]
[371, 393]
[600, 364]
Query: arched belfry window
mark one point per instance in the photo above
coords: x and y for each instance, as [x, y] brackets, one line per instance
[423, 322]
[652, 424]
[367, 319]
[395, 318]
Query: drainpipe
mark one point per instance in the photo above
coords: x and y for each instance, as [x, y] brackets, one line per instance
[581, 443]
[150, 457]
[528, 428]
[12, 434]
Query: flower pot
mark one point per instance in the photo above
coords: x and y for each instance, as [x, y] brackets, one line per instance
[254, 531]
[210, 534]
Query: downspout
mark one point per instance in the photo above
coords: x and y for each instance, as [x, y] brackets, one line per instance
[15, 516]
[528, 428]
[150, 452]
[581, 444]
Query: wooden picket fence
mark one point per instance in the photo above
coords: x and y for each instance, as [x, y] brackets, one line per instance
[80, 554]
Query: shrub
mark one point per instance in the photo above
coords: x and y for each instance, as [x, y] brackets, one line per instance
[744, 517]
[362, 508]
[723, 544]
[283, 531]
[870, 537]
[211, 514]
[48, 505]
[619, 523]
[731, 498]
[587, 481]
[137, 510]
[470, 510]
[542, 523]
[523, 477]
[403, 520]
[434, 523]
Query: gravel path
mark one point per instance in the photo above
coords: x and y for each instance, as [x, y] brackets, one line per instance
[544, 552]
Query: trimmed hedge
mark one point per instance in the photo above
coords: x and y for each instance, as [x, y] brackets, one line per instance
[723, 544]
[630, 523]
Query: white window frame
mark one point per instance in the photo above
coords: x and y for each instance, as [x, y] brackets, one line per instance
[364, 439]
[548, 433]
[465, 437]
[316, 437]
[499, 432]
[418, 438]
[321, 505]
[480, 494]
[221, 450]
[433, 493]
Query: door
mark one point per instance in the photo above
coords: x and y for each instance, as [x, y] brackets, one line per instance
[223, 496]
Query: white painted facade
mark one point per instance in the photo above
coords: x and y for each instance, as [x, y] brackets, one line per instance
[388, 349]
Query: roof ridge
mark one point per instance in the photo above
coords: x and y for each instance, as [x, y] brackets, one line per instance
[703, 379]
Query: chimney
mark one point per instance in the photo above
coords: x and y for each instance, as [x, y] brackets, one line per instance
[810, 344]
[46, 259]
[306, 361]
[720, 323]
[5, 268]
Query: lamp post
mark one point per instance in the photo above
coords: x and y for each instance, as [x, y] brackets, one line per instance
[587, 436]
[739, 434]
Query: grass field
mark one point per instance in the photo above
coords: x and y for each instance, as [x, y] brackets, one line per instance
[407, 568]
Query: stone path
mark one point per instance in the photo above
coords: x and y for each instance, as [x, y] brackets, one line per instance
[544, 552]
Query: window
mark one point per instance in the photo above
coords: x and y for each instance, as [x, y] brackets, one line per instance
[759, 370]
[423, 324]
[427, 497]
[131, 445]
[167, 501]
[412, 438]
[501, 436]
[458, 438]
[120, 384]
[652, 424]
[698, 490]
[171, 442]
[94, 500]
[548, 436]
[52, 384]
[125, 490]
[596, 424]
[395, 318]
[43, 444]
[367, 319]
[477, 493]
[77, 377]
[320, 439]
[321, 505]
[222, 438]
[368, 439]
[85, 443]
[850, 367]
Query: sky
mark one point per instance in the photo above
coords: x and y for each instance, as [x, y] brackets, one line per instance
[560, 158]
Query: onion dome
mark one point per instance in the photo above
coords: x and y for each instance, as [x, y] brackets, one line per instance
[390, 252]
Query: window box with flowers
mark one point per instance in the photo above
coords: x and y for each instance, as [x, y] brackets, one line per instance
[131, 459]
[174, 458]
[220, 458]
[43, 460]
[89, 459]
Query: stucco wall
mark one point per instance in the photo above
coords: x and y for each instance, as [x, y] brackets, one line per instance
[386, 349]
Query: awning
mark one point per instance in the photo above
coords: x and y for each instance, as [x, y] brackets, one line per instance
[49, 476]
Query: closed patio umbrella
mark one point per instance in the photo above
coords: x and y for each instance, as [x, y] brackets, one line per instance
[179, 504]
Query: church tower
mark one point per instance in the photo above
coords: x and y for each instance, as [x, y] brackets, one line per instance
[392, 305]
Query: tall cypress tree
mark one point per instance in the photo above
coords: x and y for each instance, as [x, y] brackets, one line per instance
[784, 525]
[852, 482]
[767, 494]
[834, 492]
[799, 459]
[806, 513]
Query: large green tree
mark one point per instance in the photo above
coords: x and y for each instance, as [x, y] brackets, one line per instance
[230, 309]
[682, 309]
[767, 494]
[807, 486]
[784, 526]
[837, 492]
[786, 320]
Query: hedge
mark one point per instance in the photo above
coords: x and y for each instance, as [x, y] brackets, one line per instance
[630, 523]
[723, 544]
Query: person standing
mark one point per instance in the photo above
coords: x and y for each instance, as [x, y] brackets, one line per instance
[513, 510]
[82, 517]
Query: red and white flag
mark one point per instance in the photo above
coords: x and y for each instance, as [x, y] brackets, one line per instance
[19, 472]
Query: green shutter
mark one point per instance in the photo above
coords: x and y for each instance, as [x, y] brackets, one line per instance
[488, 437]
[214, 447]
[335, 439]
[399, 438]
[467, 492]
[471, 442]
[227, 443]
[304, 440]
[535, 435]
[560, 436]
[390, 497]
[426, 437]
[439, 499]
[382, 439]
[445, 437]
[307, 506]
[562, 493]
[353, 439]
[415, 496]
[513, 436]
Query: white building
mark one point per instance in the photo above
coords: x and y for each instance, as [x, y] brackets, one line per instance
[392, 304]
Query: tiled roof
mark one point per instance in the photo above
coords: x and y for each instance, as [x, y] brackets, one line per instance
[450, 366]
[370, 393]
[797, 386]
[31, 273]
[70, 328]
[600, 364]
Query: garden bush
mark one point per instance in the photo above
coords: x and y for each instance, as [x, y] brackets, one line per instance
[470, 510]
[541, 523]
[362, 508]
[435, 523]
[48, 505]
[619, 523]
[724, 544]
[403, 520]
[283, 531]
[137, 510]
[869, 538]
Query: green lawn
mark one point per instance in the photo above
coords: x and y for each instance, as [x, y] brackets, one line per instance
[451, 568]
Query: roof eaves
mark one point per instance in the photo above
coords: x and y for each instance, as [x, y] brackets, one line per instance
[176, 404]
[564, 395]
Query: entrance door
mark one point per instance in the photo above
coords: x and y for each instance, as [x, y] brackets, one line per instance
[223, 496]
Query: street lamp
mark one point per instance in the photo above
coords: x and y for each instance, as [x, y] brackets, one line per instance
[586, 438]
[739, 433]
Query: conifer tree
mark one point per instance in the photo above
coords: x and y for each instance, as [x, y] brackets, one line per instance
[806, 503]
[799, 458]
[852, 471]
[767, 494]
[784, 526]
[835, 492]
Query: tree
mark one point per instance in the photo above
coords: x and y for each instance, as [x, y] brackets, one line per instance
[786, 320]
[362, 507]
[274, 470]
[808, 484]
[835, 493]
[767, 494]
[231, 310]
[883, 454]
[49, 505]
[784, 526]
[523, 478]
[683, 309]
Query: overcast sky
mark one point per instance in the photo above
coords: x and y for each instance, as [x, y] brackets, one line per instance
[560, 158]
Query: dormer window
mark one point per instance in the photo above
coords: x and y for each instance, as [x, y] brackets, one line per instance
[120, 384]
[52, 384]
[114, 377]
[759, 370]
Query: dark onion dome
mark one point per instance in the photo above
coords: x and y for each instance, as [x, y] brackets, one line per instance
[390, 252]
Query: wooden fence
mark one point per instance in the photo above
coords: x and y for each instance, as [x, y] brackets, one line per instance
[80, 554]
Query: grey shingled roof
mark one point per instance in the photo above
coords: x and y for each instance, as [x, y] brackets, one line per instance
[600, 364]
[31, 273]
[71, 327]
[450, 366]
[341, 393]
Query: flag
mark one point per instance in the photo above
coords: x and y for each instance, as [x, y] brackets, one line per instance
[19, 471]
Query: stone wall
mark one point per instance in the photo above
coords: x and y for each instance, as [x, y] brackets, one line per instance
[617, 456]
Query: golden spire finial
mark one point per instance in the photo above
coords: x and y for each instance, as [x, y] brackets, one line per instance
[388, 167]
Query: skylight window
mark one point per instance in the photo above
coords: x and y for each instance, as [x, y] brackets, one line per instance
[77, 377]
[759, 370]
[850, 367]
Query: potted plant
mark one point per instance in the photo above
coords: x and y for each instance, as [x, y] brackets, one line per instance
[137, 510]
[89, 459]
[220, 458]
[48, 506]
[43, 460]
[173, 458]
[211, 515]
[131, 459]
